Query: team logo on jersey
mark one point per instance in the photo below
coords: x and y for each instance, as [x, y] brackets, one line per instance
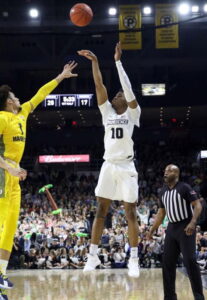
[19, 139]
[192, 192]
[118, 122]
[22, 117]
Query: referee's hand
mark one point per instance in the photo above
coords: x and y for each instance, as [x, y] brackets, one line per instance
[190, 228]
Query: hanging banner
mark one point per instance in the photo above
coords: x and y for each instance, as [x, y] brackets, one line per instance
[167, 37]
[130, 18]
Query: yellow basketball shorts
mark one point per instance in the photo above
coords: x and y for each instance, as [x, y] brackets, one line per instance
[10, 198]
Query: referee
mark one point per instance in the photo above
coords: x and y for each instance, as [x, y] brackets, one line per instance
[182, 206]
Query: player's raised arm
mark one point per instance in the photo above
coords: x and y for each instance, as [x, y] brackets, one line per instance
[46, 89]
[101, 91]
[125, 83]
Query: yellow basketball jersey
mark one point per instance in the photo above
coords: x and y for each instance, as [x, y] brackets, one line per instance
[13, 127]
[13, 133]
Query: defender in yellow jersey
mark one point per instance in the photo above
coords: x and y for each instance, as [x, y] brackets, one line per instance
[13, 126]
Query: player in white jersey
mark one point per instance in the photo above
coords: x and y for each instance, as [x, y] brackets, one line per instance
[118, 178]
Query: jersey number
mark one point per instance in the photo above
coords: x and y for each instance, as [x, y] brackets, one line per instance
[117, 133]
[20, 126]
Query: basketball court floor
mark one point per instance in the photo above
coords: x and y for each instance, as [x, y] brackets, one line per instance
[113, 284]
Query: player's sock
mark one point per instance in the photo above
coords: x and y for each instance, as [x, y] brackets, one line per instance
[93, 249]
[134, 252]
[3, 266]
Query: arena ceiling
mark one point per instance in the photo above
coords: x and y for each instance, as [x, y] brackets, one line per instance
[34, 51]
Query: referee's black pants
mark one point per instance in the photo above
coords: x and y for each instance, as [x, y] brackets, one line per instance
[177, 241]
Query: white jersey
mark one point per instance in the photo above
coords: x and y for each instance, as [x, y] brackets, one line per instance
[118, 141]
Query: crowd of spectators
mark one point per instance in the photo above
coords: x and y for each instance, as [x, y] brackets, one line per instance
[62, 241]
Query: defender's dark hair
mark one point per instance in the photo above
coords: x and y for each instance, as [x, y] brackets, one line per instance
[4, 94]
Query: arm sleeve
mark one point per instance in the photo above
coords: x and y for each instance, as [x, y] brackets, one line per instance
[105, 110]
[42, 93]
[3, 124]
[125, 83]
[134, 114]
[189, 194]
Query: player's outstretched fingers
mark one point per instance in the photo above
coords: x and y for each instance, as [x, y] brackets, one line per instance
[73, 65]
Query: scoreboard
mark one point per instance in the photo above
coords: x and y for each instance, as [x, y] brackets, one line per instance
[69, 100]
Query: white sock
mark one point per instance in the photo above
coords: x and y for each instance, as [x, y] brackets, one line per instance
[93, 249]
[134, 252]
[3, 266]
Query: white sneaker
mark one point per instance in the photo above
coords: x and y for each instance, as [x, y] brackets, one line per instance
[92, 262]
[133, 266]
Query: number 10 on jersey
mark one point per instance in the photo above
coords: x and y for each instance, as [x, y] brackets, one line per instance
[117, 133]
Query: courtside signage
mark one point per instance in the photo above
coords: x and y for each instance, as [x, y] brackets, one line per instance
[64, 158]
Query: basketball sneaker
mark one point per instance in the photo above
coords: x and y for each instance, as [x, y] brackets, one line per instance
[92, 262]
[133, 266]
[3, 295]
[5, 283]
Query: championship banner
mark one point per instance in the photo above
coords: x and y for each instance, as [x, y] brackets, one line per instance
[167, 37]
[130, 18]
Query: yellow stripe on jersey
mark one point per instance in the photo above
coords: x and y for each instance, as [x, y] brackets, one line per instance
[13, 126]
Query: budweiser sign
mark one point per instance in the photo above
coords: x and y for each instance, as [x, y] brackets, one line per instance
[64, 158]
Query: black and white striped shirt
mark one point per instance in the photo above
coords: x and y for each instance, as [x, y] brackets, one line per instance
[177, 201]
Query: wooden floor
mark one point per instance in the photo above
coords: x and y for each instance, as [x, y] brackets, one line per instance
[98, 285]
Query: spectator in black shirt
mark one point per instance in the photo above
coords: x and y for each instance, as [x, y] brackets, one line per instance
[176, 201]
[55, 244]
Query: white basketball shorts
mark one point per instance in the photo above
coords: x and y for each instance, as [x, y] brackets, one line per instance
[118, 181]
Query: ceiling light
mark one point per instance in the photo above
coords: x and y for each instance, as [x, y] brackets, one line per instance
[195, 8]
[147, 10]
[34, 13]
[112, 11]
[184, 8]
[205, 8]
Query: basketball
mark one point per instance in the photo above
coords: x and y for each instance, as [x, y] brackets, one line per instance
[81, 14]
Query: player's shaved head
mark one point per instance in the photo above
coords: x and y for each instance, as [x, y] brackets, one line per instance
[119, 102]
